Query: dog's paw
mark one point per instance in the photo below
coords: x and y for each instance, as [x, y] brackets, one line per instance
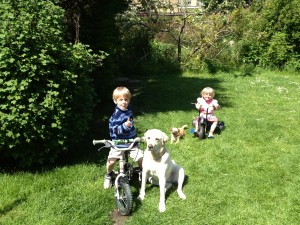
[141, 196]
[181, 195]
[162, 207]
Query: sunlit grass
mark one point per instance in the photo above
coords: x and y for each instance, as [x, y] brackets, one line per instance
[247, 175]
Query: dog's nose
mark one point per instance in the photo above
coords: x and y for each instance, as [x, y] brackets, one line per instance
[150, 146]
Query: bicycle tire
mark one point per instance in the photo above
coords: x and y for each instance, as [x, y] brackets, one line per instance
[123, 198]
[201, 133]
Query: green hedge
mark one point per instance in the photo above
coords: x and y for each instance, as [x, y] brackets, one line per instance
[46, 98]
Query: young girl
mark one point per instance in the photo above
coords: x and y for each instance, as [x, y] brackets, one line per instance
[206, 104]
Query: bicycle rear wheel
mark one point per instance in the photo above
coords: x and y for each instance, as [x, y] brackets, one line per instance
[123, 198]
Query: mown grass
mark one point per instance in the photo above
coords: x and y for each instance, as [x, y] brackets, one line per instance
[247, 175]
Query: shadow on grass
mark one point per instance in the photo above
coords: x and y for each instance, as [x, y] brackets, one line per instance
[151, 95]
[12, 205]
[172, 93]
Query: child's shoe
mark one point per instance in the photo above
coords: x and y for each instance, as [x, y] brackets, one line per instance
[210, 136]
[107, 181]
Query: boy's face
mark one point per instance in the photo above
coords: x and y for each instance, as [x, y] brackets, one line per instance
[122, 102]
[207, 96]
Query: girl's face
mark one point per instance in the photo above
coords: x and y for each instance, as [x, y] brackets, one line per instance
[122, 102]
[207, 96]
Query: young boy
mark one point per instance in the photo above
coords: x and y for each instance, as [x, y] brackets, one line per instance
[121, 126]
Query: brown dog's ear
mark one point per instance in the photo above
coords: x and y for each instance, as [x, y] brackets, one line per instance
[165, 137]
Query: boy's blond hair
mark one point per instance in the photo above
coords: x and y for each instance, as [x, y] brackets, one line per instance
[121, 91]
[208, 90]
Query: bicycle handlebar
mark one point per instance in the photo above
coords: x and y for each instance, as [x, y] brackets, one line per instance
[109, 143]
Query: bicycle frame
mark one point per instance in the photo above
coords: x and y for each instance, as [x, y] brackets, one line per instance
[122, 158]
[122, 162]
[123, 194]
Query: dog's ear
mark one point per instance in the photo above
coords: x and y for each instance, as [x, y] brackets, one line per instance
[165, 137]
[145, 133]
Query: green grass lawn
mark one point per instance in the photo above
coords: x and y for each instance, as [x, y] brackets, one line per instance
[250, 174]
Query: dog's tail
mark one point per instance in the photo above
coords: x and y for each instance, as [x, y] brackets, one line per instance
[184, 126]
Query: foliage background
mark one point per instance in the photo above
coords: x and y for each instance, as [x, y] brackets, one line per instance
[56, 97]
[46, 97]
[50, 61]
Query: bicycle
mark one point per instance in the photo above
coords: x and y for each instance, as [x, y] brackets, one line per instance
[122, 192]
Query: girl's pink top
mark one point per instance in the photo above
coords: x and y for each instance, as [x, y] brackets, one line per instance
[208, 104]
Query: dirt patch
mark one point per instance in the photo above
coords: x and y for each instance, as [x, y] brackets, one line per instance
[117, 219]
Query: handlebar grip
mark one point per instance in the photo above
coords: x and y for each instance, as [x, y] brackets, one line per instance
[140, 139]
[98, 142]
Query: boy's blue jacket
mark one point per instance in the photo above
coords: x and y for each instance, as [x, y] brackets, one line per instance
[117, 128]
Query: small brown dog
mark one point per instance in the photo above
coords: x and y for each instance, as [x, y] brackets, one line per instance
[177, 133]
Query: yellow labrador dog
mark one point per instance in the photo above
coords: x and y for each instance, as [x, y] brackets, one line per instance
[159, 167]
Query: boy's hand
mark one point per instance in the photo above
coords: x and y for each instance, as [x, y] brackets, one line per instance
[128, 122]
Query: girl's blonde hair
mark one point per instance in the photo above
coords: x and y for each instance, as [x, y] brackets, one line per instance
[121, 91]
[208, 90]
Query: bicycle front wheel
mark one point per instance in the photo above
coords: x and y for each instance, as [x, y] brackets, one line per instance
[123, 198]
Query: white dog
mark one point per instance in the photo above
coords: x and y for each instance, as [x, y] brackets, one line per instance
[158, 165]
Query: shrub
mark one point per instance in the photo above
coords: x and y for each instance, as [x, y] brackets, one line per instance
[278, 52]
[46, 98]
[270, 37]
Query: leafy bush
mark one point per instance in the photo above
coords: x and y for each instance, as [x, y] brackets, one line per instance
[163, 59]
[135, 42]
[208, 38]
[278, 51]
[46, 98]
[271, 35]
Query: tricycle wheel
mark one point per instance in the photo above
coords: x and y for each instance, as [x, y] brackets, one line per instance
[201, 134]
